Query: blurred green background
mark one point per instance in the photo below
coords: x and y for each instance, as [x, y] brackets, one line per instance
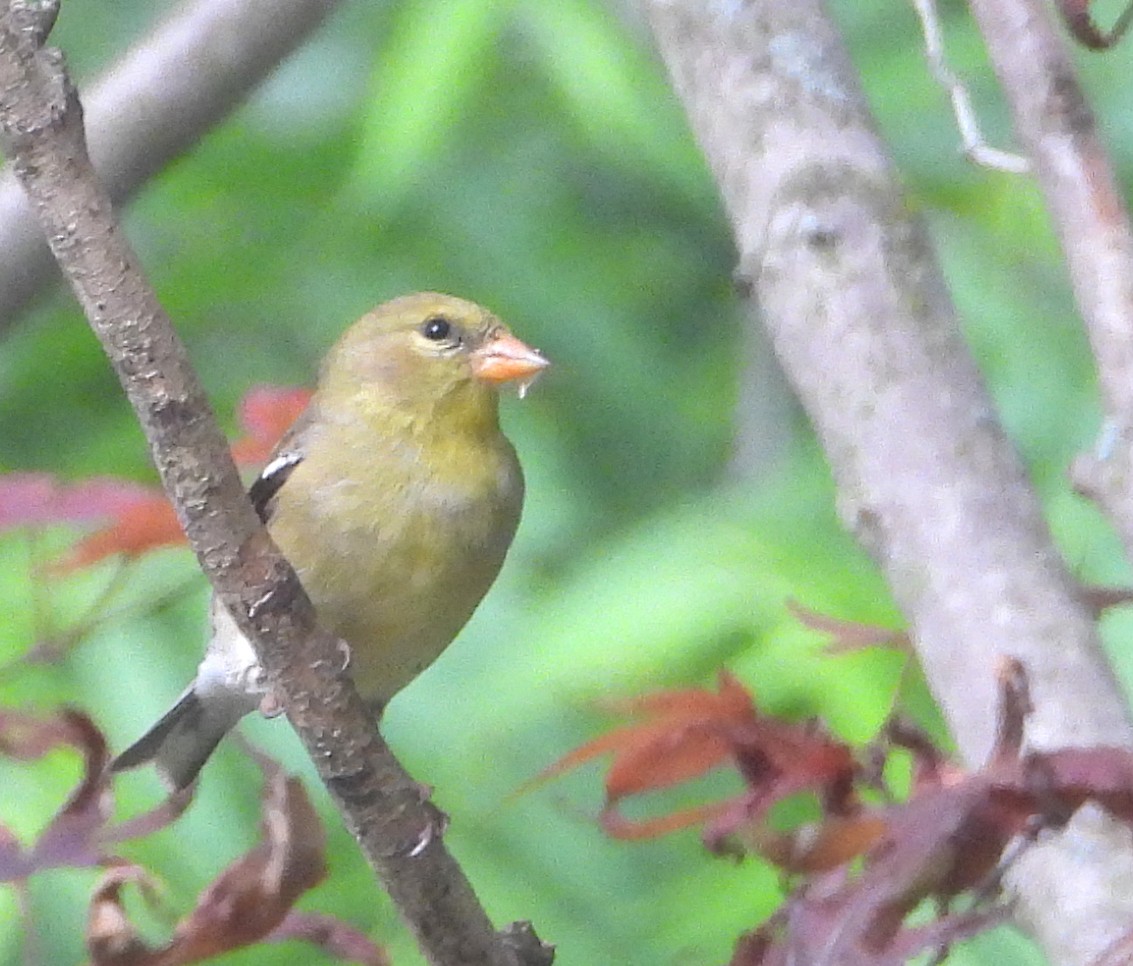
[529, 155]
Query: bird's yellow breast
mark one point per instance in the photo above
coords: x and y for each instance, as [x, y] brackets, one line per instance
[428, 530]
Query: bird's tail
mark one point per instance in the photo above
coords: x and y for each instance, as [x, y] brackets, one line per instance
[182, 740]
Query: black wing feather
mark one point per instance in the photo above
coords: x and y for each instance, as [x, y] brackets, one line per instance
[288, 454]
[267, 484]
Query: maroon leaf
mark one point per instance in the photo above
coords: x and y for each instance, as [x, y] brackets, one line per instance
[332, 936]
[39, 499]
[1076, 15]
[77, 836]
[246, 902]
[111, 937]
[71, 837]
[863, 868]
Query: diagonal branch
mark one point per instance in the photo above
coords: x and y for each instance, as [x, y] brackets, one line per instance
[843, 276]
[400, 833]
[196, 67]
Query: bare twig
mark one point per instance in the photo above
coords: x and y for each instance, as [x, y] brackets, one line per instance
[153, 105]
[976, 149]
[41, 131]
[858, 312]
[1057, 127]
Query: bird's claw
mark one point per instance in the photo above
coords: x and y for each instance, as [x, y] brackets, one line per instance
[270, 705]
[435, 828]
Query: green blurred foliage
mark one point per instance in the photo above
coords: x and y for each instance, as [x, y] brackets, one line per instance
[531, 156]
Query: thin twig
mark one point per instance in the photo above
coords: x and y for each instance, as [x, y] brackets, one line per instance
[975, 148]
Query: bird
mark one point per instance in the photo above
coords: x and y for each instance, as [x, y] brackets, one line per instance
[395, 496]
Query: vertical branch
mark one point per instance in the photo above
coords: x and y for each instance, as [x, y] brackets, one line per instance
[1057, 127]
[41, 132]
[848, 287]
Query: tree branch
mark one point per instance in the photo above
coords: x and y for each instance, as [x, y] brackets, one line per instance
[976, 149]
[168, 90]
[400, 833]
[1056, 125]
[847, 285]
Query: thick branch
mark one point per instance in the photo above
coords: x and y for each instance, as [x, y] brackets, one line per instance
[1056, 125]
[153, 105]
[41, 131]
[847, 285]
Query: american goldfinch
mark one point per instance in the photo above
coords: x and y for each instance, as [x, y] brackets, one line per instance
[395, 496]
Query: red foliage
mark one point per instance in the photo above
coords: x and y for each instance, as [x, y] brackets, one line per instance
[79, 836]
[148, 524]
[332, 936]
[140, 517]
[136, 518]
[251, 901]
[244, 905]
[689, 733]
[266, 413]
[39, 499]
[862, 868]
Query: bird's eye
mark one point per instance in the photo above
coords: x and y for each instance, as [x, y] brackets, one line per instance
[437, 329]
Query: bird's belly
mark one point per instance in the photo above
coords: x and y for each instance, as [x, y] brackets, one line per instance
[397, 623]
[399, 597]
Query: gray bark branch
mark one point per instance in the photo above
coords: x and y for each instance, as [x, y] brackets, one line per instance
[1055, 123]
[848, 287]
[164, 94]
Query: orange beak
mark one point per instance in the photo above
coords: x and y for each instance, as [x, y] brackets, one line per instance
[503, 358]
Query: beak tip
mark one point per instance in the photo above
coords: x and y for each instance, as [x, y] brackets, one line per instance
[506, 359]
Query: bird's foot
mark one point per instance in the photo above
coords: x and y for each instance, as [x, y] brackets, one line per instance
[344, 650]
[270, 705]
[434, 829]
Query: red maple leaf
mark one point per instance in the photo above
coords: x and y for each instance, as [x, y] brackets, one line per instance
[690, 732]
[136, 518]
[140, 517]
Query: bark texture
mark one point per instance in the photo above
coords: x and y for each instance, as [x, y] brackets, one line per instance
[842, 274]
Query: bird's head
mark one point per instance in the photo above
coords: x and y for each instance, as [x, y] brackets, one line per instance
[430, 355]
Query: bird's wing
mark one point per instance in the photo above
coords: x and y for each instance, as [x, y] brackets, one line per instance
[288, 454]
